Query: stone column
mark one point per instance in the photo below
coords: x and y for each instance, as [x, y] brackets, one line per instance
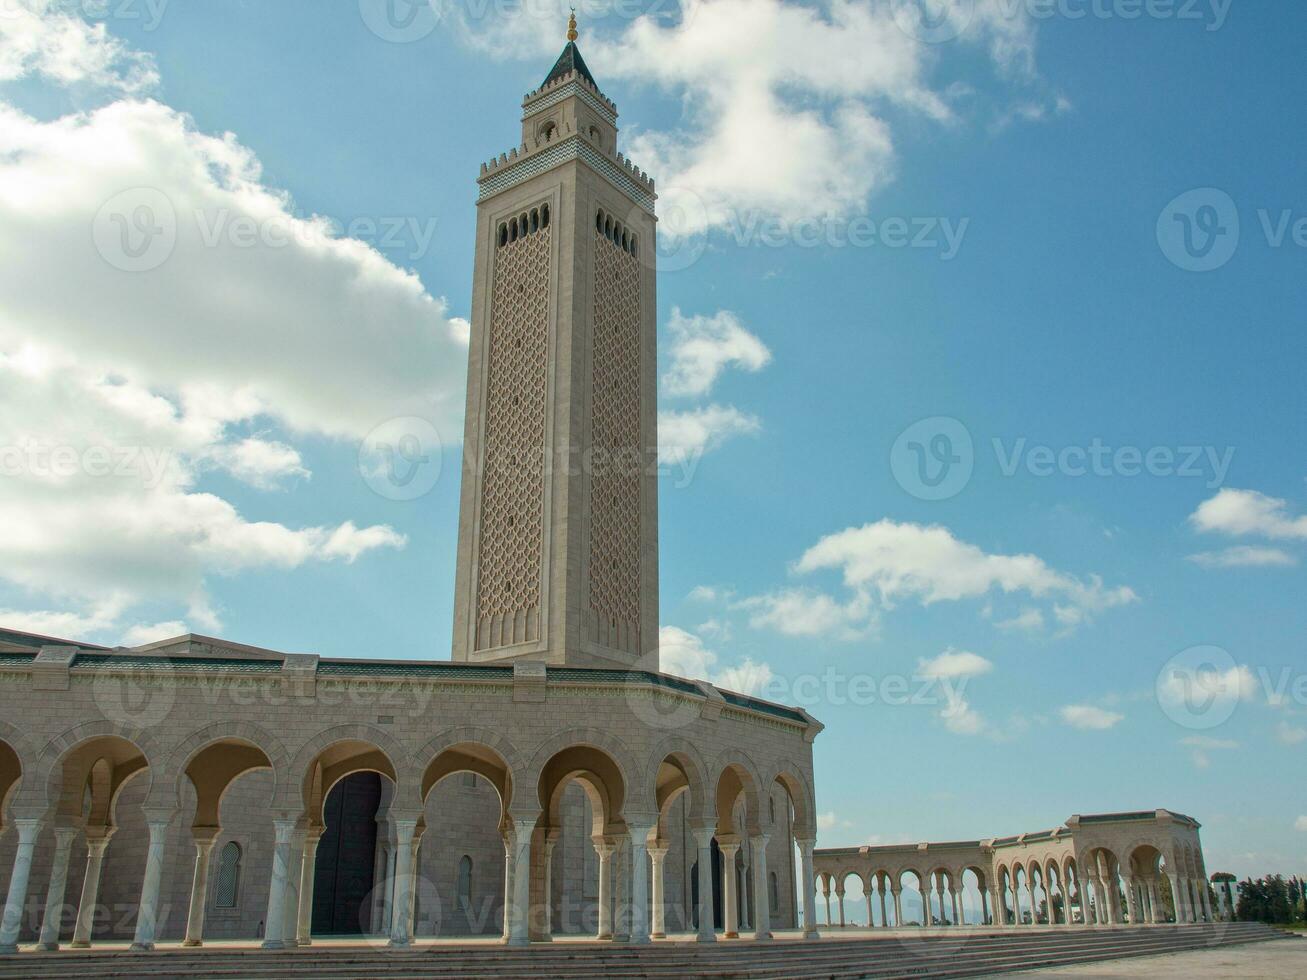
[1177, 890]
[984, 906]
[806, 847]
[1132, 902]
[1017, 919]
[1206, 900]
[871, 919]
[839, 900]
[308, 867]
[12, 923]
[204, 838]
[880, 890]
[551, 838]
[290, 927]
[639, 890]
[703, 840]
[898, 907]
[761, 887]
[519, 933]
[508, 882]
[147, 913]
[959, 907]
[401, 922]
[730, 847]
[605, 851]
[825, 894]
[96, 842]
[275, 920]
[657, 855]
[1000, 909]
[953, 902]
[54, 896]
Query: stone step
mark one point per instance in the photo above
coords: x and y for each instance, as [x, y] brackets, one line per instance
[934, 955]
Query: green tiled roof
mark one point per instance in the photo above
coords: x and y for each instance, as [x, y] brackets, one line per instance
[16, 659]
[569, 60]
[134, 662]
[742, 701]
[604, 675]
[459, 671]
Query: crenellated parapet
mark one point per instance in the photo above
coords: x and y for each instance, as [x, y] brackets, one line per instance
[564, 86]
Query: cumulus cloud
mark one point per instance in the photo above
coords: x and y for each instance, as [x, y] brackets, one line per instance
[683, 653]
[685, 436]
[1301, 824]
[954, 663]
[1203, 744]
[1290, 734]
[164, 314]
[1247, 512]
[1089, 717]
[805, 612]
[702, 347]
[787, 105]
[886, 563]
[1244, 556]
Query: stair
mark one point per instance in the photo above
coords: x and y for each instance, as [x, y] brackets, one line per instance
[937, 954]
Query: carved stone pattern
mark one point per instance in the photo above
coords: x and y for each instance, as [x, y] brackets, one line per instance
[513, 487]
[615, 425]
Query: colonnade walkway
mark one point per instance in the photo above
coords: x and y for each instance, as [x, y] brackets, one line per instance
[883, 953]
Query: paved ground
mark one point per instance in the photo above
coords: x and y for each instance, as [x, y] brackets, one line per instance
[1258, 961]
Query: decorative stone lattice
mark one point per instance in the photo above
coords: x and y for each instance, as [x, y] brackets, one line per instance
[617, 457]
[513, 489]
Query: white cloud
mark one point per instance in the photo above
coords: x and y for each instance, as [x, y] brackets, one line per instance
[960, 717]
[120, 390]
[830, 820]
[786, 104]
[1208, 685]
[702, 347]
[682, 653]
[1247, 512]
[143, 633]
[38, 38]
[803, 612]
[1029, 620]
[685, 436]
[886, 562]
[1244, 556]
[954, 663]
[1290, 734]
[1300, 824]
[1203, 744]
[1089, 717]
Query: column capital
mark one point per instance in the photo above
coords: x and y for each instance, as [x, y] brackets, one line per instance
[703, 836]
[28, 829]
[205, 836]
[657, 852]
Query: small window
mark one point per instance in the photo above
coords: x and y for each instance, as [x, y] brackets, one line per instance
[503, 235]
[465, 881]
[535, 221]
[547, 131]
[470, 778]
[774, 893]
[229, 876]
[544, 216]
[512, 230]
[599, 222]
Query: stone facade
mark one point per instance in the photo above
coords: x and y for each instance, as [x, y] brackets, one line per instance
[1101, 869]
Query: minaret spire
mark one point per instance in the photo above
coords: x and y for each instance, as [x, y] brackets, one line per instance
[571, 26]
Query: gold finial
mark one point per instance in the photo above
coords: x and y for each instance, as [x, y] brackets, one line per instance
[571, 26]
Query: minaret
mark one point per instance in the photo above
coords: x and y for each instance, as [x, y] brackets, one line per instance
[558, 524]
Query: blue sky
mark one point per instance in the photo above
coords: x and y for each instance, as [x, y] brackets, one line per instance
[1040, 606]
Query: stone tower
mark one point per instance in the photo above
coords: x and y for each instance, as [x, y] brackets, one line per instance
[558, 525]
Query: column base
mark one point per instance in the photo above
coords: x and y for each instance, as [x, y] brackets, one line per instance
[730, 935]
[762, 937]
[605, 937]
[518, 942]
[706, 938]
[80, 944]
[142, 947]
[190, 943]
[811, 934]
[406, 943]
[639, 940]
[47, 947]
[657, 935]
[273, 944]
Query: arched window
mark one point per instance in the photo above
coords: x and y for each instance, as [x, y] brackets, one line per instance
[599, 222]
[464, 890]
[535, 221]
[512, 230]
[773, 893]
[229, 876]
[771, 803]
[633, 246]
[544, 216]
[547, 131]
[503, 235]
